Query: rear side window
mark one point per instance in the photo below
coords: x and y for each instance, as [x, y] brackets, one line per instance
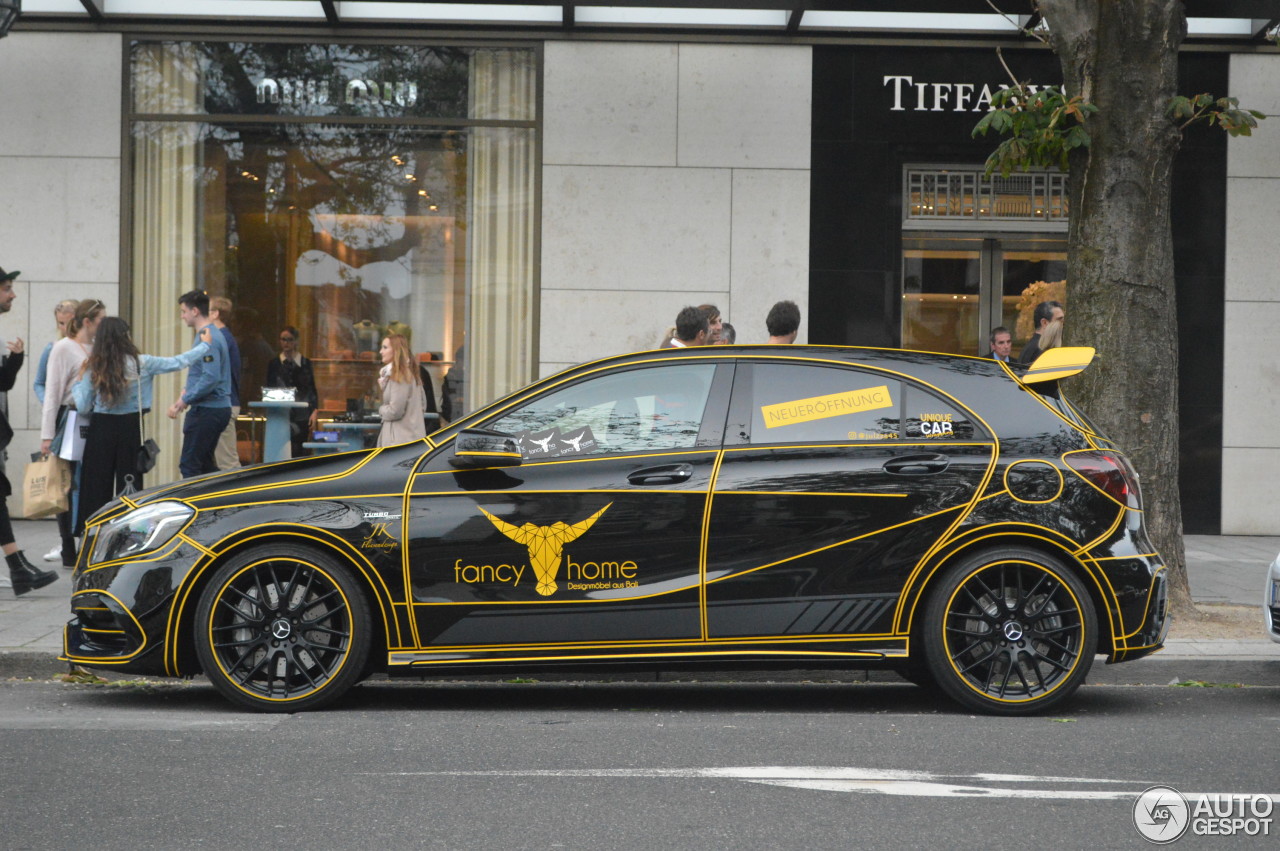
[929, 417]
[793, 403]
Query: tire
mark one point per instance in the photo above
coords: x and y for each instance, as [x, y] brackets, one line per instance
[283, 629]
[1009, 632]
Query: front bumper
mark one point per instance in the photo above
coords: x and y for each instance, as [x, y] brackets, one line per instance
[122, 614]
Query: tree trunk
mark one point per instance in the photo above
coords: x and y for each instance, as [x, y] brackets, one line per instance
[1122, 57]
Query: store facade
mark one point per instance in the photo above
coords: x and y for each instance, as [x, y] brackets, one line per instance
[534, 202]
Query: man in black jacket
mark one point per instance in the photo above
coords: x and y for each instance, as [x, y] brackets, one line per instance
[24, 575]
[1046, 312]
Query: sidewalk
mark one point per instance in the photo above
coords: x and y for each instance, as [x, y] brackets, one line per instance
[1222, 569]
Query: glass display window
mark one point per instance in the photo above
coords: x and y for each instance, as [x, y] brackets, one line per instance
[348, 191]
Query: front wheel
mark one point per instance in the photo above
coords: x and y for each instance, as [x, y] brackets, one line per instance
[1009, 632]
[282, 629]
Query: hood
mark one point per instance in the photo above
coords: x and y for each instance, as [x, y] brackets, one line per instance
[277, 474]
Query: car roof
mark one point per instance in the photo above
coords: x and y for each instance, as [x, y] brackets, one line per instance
[989, 388]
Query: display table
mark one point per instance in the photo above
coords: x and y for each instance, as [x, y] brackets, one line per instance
[364, 435]
[322, 447]
[275, 438]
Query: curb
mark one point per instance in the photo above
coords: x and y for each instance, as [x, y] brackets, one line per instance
[1161, 670]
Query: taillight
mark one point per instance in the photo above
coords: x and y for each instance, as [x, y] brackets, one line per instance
[1110, 473]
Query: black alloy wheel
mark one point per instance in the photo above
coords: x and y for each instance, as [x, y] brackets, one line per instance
[1010, 632]
[282, 629]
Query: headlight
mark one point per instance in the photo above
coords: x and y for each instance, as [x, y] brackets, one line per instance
[140, 531]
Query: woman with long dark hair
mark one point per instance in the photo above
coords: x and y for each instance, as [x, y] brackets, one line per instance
[108, 392]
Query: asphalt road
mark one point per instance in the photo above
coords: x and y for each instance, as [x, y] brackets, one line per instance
[626, 766]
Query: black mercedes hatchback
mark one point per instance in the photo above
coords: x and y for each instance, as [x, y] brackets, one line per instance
[701, 508]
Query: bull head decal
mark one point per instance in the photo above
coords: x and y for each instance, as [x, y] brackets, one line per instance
[546, 544]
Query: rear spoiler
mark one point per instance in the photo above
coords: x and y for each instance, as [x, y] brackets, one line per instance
[1062, 362]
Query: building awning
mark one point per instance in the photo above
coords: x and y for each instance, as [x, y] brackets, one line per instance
[1229, 21]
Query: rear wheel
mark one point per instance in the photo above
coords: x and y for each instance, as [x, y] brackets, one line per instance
[1009, 632]
[281, 629]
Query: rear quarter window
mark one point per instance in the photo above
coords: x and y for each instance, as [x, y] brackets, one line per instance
[930, 417]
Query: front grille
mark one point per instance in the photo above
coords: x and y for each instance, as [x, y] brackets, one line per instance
[1275, 620]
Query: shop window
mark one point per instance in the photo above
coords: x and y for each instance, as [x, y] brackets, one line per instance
[350, 191]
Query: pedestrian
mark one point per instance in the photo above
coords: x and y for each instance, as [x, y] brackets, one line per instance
[115, 391]
[207, 395]
[403, 402]
[1045, 312]
[783, 323]
[714, 323]
[226, 456]
[728, 335]
[692, 328]
[1051, 336]
[65, 361]
[62, 313]
[23, 575]
[293, 369]
[1001, 343]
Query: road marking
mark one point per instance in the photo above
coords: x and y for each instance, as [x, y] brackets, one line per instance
[855, 780]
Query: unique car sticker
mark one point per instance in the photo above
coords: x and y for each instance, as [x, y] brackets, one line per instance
[823, 407]
[943, 426]
[936, 425]
[546, 550]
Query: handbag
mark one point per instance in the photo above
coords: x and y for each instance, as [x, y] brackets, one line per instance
[73, 436]
[45, 486]
[149, 451]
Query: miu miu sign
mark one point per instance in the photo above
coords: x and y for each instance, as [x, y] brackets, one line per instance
[303, 92]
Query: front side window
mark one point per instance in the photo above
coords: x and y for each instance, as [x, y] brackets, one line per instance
[640, 410]
[795, 403]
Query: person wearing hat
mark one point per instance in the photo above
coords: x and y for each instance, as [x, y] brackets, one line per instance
[24, 575]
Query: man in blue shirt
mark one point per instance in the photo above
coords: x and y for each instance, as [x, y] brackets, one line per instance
[207, 395]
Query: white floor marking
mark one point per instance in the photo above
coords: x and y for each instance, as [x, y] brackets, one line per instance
[857, 780]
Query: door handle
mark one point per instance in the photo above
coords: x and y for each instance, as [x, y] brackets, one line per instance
[917, 465]
[662, 475]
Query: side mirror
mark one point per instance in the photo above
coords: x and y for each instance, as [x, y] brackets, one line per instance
[475, 447]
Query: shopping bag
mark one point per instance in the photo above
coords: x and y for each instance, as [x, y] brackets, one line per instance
[73, 436]
[45, 486]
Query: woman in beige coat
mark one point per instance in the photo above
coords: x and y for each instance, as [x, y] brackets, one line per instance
[403, 401]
